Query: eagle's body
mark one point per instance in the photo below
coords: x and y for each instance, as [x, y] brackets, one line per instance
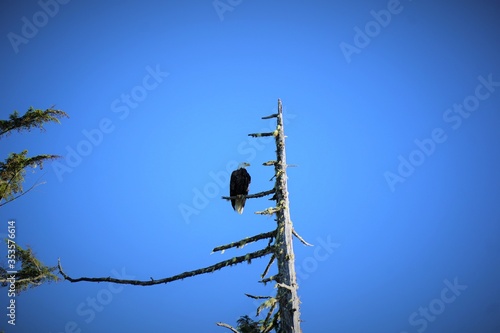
[239, 185]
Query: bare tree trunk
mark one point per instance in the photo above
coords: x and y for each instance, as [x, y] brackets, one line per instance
[287, 293]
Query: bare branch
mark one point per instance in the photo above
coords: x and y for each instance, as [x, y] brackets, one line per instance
[13, 169]
[271, 116]
[268, 211]
[236, 260]
[245, 241]
[258, 297]
[266, 323]
[257, 135]
[269, 279]
[270, 303]
[282, 285]
[34, 280]
[266, 270]
[251, 196]
[300, 238]
[227, 326]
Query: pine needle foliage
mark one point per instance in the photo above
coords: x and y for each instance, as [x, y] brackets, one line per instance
[32, 273]
[13, 169]
[33, 118]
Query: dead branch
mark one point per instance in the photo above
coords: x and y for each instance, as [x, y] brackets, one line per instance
[236, 260]
[271, 116]
[258, 297]
[300, 238]
[269, 279]
[282, 285]
[273, 257]
[270, 303]
[256, 135]
[273, 324]
[228, 327]
[245, 241]
[268, 211]
[251, 196]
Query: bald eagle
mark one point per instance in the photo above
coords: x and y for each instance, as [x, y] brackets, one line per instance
[239, 185]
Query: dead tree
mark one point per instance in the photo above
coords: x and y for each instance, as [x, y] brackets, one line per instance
[283, 309]
[286, 279]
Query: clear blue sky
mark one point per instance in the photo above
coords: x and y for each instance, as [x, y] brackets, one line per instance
[393, 115]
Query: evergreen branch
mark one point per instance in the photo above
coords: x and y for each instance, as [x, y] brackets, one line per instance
[32, 273]
[13, 169]
[32, 118]
[245, 241]
[34, 280]
[10, 167]
[6, 185]
[250, 196]
[228, 327]
[282, 285]
[270, 242]
[210, 269]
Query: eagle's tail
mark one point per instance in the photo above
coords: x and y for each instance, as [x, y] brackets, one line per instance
[239, 204]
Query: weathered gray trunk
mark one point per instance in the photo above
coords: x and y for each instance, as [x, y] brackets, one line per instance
[287, 292]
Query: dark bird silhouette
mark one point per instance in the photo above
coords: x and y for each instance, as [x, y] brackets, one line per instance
[238, 187]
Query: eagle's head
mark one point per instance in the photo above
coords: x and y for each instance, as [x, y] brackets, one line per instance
[243, 165]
